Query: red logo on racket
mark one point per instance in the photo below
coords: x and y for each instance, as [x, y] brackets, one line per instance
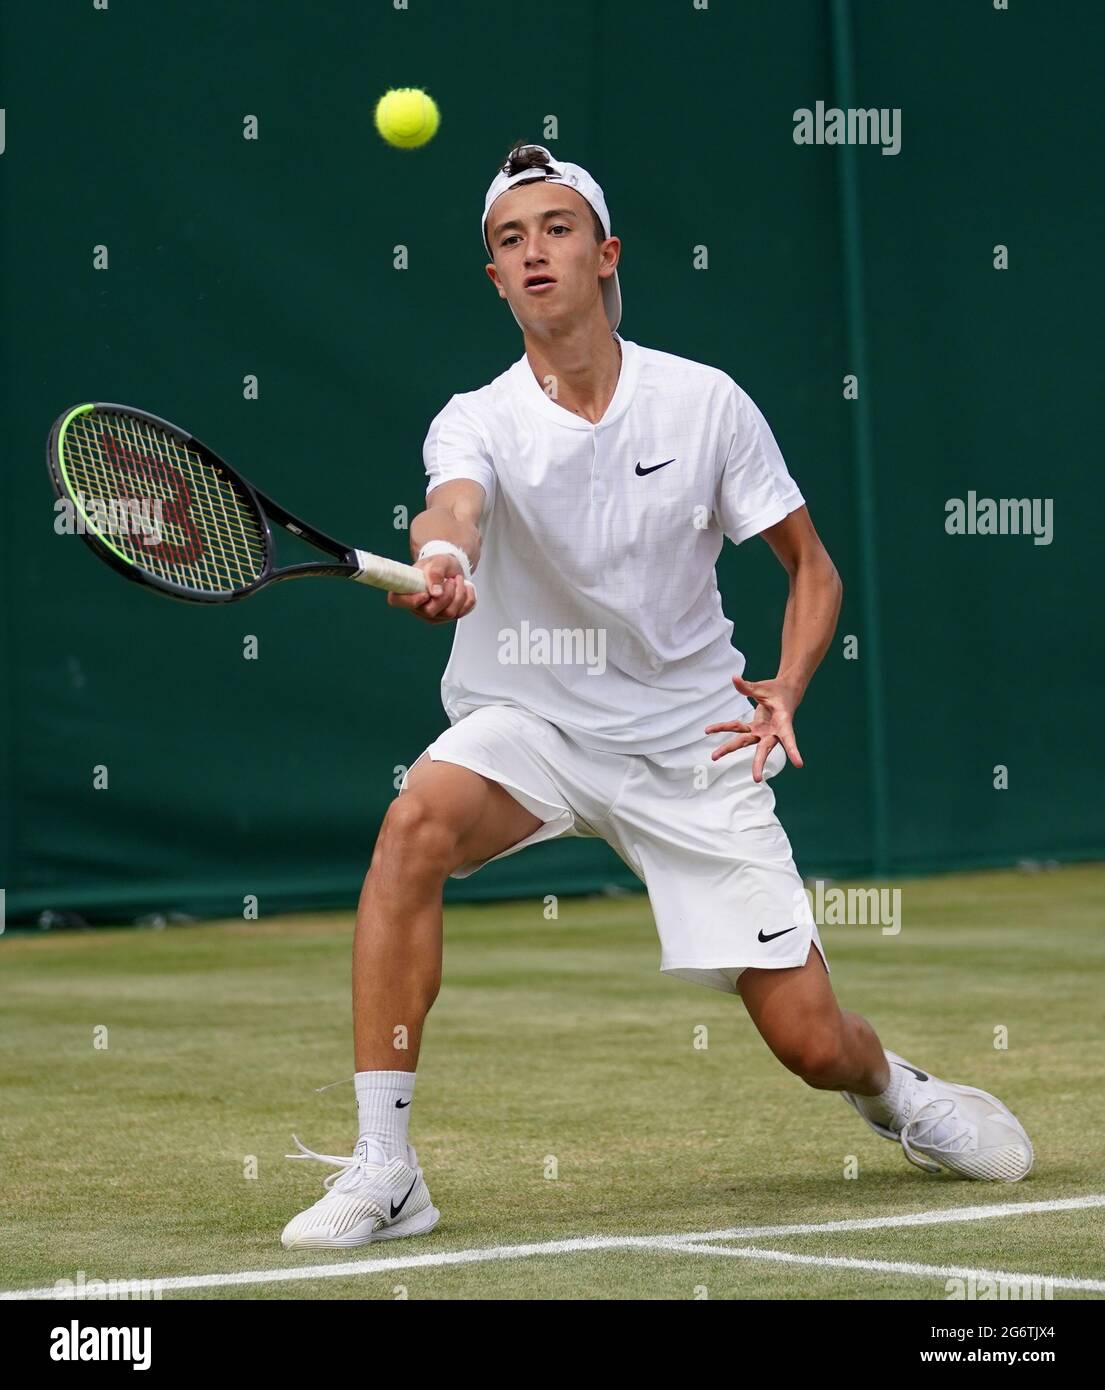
[174, 509]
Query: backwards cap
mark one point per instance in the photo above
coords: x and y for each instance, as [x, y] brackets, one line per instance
[576, 177]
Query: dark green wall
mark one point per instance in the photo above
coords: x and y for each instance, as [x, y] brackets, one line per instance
[274, 257]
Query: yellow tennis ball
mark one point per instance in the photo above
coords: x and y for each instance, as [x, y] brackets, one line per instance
[407, 117]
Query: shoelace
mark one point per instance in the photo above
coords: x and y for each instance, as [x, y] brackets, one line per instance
[925, 1122]
[349, 1164]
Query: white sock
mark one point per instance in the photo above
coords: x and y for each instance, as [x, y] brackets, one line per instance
[383, 1111]
[886, 1107]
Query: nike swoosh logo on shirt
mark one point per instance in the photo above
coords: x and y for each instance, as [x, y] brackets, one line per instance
[642, 472]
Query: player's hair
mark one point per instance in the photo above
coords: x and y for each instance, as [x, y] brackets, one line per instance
[523, 155]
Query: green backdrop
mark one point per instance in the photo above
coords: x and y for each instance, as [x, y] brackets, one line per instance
[274, 258]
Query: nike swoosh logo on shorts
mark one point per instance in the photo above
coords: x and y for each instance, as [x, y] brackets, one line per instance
[774, 934]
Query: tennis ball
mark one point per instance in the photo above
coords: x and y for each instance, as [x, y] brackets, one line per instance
[407, 117]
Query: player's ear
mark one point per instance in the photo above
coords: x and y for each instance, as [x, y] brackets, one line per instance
[493, 275]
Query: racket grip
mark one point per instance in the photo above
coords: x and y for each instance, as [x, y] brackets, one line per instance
[382, 573]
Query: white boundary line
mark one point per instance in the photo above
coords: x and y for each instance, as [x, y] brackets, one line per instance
[689, 1243]
[920, 1218]
[746, 1252]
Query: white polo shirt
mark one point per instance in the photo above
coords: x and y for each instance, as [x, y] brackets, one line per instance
[598, 607]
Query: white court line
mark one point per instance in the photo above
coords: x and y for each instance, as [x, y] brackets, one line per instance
[381, 1266]
[586, 1244]
[885, 1266]
[920, 1218]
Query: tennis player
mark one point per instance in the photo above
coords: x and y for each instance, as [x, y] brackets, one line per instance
[590, 486]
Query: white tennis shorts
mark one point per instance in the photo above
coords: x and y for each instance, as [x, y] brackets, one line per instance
[701, 835]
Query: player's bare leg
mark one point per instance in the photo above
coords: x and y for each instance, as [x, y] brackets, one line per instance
[447, 815]
[797, 1015]
[939, 1124]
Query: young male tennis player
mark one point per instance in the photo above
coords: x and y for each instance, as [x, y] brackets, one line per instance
[592, 485]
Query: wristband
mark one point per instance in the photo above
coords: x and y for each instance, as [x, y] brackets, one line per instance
[448, 548]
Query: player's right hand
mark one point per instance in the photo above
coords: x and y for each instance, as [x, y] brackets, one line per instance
[453, 597]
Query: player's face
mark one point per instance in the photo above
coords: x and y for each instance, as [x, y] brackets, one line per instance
[546, 257]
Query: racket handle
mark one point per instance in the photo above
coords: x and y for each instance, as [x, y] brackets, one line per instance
[383, 573]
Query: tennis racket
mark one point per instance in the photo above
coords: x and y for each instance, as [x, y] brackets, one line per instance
[166, 512]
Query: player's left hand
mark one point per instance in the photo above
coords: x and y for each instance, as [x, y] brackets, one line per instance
[771, 723]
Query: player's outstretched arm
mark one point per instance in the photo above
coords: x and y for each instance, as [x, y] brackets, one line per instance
[452, 514]
[813, 608]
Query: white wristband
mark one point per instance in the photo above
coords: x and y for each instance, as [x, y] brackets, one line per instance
[448, 548]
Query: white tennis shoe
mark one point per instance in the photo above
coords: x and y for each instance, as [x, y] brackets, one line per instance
[372, 1198]
[967, 1131]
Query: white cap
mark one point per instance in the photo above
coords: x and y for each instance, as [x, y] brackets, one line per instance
[577, 178]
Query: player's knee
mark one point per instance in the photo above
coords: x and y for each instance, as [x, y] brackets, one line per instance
[815, 1057]
[417, 832]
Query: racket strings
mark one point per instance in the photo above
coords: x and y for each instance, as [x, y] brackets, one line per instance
[161, 505]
